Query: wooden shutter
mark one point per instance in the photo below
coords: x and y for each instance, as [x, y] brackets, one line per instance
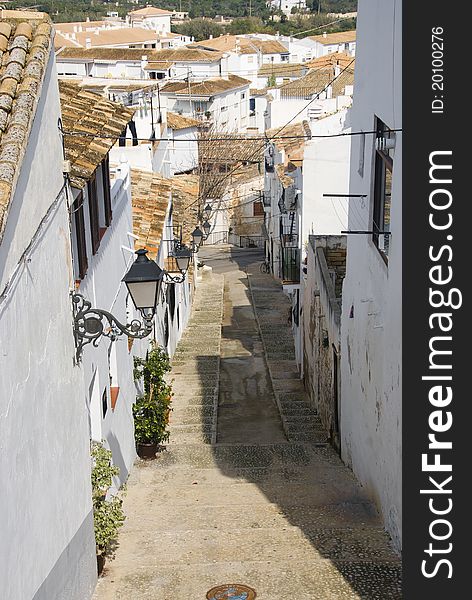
[106, 190]
[94, 214]
[79, 224]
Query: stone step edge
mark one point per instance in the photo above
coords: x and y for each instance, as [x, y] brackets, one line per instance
[287, 430]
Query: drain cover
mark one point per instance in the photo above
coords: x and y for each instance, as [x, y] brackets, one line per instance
[231, 591]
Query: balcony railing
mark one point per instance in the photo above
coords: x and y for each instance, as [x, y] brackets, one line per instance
[266, 199]
[289, 240]
[291, 265]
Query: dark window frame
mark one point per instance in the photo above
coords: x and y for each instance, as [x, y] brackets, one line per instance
[383, 172]
[106, 191]
[80, 238]
[94, 213]
[257, 208]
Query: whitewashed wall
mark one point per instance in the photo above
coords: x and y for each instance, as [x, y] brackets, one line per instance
[47, 547]
[102, 286]
[371, 339]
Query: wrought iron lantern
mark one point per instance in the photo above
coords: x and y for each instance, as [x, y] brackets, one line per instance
[207, 212]
[206, 228]
[143, 280]
[197, 237]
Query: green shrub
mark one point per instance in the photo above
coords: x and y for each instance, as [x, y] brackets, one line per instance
[108, 515]
[151, 410]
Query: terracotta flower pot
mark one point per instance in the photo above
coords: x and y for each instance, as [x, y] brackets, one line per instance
[147, 451]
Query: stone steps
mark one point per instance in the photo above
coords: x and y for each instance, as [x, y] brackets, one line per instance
[195, 369]
[298, 417]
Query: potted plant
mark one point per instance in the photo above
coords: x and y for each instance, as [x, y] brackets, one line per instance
[152, 408]
[108, 515]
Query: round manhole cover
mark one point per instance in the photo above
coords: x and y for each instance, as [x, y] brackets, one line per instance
[231, 591]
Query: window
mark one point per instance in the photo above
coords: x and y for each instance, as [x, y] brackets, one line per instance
[258, 209]
[106, 190]
[79, 229]
[94, 213]
[383, 169]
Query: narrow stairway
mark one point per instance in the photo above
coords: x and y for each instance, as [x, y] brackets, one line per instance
[286, 518]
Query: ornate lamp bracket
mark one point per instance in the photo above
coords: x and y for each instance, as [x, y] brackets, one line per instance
[90, 324]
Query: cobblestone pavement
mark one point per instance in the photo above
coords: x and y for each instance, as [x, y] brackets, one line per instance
[263, 506]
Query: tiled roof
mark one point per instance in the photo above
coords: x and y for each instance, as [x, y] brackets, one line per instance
[60, 41]
[187, 54]
[121, 36]
[111, 54]
[341, 37]
[175, 121]
[282, 70]
[158, 65]
[150, 195]
[316, 81]
[285, 179]
[230, 148]
[75, 25]
[149, 11]
[208, 87]
[93, 115]
[185, 193]
[291, 139]
[334, 58]
[110, 36]
[25, 41]
[244, 45]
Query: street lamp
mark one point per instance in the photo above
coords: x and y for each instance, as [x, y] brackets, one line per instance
[207, 212]
[182, 256]
[143, 280]
[206, 228]
[197, 236]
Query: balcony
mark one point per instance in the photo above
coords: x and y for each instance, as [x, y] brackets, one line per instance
[291, 265]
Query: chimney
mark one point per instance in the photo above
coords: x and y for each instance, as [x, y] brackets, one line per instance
[88, 43]
[211, 36]
[325, 34]
[75, 28]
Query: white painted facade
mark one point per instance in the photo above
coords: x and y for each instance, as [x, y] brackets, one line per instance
[110, 364]
[281, 109]
[321, 49]
[47, 547]
[227, 111]
[156, 22]
[372, 296]
[286, 6]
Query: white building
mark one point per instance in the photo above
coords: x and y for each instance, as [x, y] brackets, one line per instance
[151, 18]
[221, 103]
[342, 41]
[323, 91]
[286, 6]
[372, 296]
[106, 36]
[246, 54]
[302, 190]
[47, 547]
[102, 234]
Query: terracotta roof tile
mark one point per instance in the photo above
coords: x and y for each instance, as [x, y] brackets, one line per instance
[149, 11]
[208, 87]
[175, 121]
[244, 45]
[316, 81]
[340, 37]
[150, 196]
[94, 116]
[25, 41]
